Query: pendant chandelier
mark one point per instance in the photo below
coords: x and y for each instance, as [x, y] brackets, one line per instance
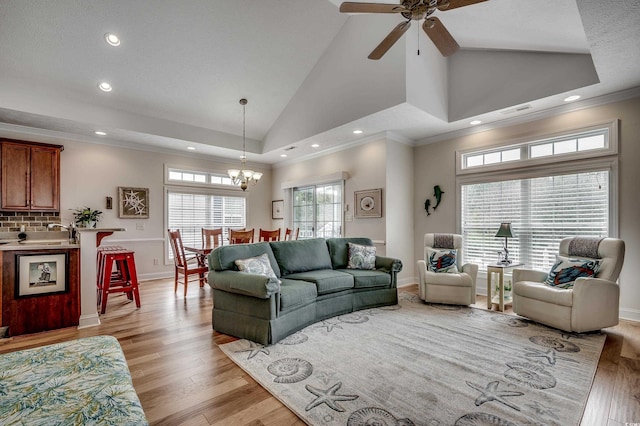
[243, 176]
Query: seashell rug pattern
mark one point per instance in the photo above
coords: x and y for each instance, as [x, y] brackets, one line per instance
[427, 364]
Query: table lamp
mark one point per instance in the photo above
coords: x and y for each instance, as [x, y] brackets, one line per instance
[505, 231]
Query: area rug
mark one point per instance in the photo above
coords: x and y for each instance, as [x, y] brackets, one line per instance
[423, 364]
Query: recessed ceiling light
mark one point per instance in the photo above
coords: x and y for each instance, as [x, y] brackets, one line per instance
[572, 98]
[112, 39]
[315, 145]
[191, 148]
[283, 155]
[357, 132]
[475, 122]
[104, 86]
[100, 133]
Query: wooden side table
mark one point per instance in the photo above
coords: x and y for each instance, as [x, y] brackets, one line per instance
[500, 270]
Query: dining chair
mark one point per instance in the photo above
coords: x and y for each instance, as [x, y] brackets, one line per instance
[290, 235]
[266, 235]
[185, 265]
[211, 238]
[241, 237]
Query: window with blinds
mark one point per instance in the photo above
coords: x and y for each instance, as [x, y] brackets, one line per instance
[190, 212]
[317, 210]
[542, 211]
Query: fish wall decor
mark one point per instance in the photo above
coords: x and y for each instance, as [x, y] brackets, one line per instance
[437, 193]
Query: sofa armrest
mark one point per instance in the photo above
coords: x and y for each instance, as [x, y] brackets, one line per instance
[471, 269]
[529, 275]
[388, 264]
[595, 304]
[244, 283]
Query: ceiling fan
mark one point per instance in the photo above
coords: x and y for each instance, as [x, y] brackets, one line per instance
[413, 10]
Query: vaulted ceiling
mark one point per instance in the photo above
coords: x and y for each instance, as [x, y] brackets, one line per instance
[182, 67]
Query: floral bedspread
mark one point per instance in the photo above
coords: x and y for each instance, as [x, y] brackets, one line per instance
[81, 382]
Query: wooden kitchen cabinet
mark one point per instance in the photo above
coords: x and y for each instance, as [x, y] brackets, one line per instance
[33, 314]
[30, 176]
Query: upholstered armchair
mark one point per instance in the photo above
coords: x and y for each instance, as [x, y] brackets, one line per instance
[453, 283]
[560, 300]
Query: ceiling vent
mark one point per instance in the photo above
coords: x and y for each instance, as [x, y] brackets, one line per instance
[290, 148]
[516, 109]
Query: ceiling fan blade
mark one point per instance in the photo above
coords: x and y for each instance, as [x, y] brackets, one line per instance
[389, 40]
[352, 7]
[440, 36]
[454, 4]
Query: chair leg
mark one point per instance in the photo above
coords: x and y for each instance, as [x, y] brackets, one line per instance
[175, 279]
[106, 284]
[132, 275]
[186, 283]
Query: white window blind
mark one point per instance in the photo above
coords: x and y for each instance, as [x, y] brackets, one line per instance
[190, 212]
[542, 211]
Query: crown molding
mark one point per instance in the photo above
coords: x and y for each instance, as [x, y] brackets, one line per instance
[534, 116]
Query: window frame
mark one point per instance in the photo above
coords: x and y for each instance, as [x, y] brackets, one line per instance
[218, 186]
[565, 164]
[194, 188]
[314, 187]
[525, 144]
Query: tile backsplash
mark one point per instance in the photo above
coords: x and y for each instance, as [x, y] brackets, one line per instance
[32, 221]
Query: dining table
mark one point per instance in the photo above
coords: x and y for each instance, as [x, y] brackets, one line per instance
[201, 253]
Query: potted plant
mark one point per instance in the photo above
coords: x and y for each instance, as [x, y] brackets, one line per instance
[86, 217]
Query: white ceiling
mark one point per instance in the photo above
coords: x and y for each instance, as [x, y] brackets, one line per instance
[183, 65]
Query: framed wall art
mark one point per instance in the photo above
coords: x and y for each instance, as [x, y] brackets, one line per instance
[134, 203]
[41, 274]
[277, 209]
[368, 203]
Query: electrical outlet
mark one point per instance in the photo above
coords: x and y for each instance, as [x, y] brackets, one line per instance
[155, 262]
[140, 226]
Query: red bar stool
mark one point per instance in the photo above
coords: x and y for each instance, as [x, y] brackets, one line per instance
[123, 280]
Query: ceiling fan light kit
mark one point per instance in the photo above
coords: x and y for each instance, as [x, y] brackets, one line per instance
[413, 10]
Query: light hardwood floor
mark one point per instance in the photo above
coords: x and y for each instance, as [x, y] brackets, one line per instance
[182, 378]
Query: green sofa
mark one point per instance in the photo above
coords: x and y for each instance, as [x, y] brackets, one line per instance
[313, 284]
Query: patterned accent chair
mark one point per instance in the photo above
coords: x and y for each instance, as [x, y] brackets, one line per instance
[455, 286]
[590, 303]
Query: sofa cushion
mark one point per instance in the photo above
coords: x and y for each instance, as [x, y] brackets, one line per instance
[224, 257]
[301, 255]
[258, 265]
[339, 250]
[368, 278]
[326, 280]
[542, 292]
[361, 257]
[296, 293]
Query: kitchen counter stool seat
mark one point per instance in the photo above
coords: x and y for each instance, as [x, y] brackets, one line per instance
[123, 279]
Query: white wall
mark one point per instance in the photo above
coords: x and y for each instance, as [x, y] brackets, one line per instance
[368, 166]
[91, 172]
[398, 195]
[434, 164]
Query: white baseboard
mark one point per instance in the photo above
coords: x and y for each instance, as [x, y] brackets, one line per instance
[88, 321]
[155, 276]
[630, 314]
[407, 281]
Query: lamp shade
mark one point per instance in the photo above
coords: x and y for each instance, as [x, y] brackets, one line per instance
[505, 230]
